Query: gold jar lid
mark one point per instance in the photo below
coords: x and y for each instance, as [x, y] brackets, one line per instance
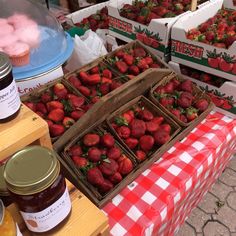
[31, 170]
[3, 186]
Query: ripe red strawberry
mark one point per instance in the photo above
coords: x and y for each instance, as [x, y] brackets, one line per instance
[68, 121]
[140, 155]
[108, 167]
[146, 143]
[94, 154]
[80, 161]
[105, 186]
[151, 126]
[104, 88]
[167, 101]
[56, 115]
[185, 100]
[123, 132]
[145, 115]
[107, 73]
[77, 114]
[113, 153]
[158, 119]
[41, 107]
[30, 105]
[90, 140]
[125, 165]
[84, 90]
[169, 87]
[93, 79]
[114, 85]
[54, 105]
[165, 127]
[121, 66]
[187, 86]
[60, 91]
[119, 53]
[94, 70]
[183, 118]
[56, 130]
[128, 59]
[175, 112]
[95, 99]
[86, 107]
[142, 64]
[95, 177]
[175, 83]
[161, 137]
[46, 97]
[74, 81]
[191, 114]
[76, 101]
[106, 80]
[128, 116]
[138, 128]
[116, 178]
[201, 104]
[139, 52]
[107, 140]
[134, 70]
[49, 122]
[75, 150]
[131, 142]
[149, 60]
[83, 75]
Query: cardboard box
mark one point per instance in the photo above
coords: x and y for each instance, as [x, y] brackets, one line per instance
[156, 35]
[225, 95]
[196, 54]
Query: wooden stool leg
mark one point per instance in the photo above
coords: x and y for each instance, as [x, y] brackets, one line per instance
[45, 141]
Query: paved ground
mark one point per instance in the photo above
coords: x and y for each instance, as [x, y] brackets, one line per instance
[216, 213]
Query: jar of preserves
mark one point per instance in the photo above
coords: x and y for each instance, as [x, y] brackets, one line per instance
[9, 97]
[38, 188]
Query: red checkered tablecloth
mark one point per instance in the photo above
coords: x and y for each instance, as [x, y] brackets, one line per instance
[161, 198]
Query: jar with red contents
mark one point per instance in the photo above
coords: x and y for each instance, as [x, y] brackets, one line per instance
[36, 185]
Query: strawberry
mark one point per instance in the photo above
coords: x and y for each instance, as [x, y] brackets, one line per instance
[108, 167]
[145, 115]
[187, 86]
[75, 150]
[104, 88]
[138, 128]
[86, 107]
[201, 104]
[185, 100]
[74, 81]
[80, 161]
[131, 142]
[95, 99]
[139, 52]
[56, 130]
[68, 121]
[40, 114]
[93, 79]
[84, 90]
[116, 178]
[165, 127]
[107, 140]
[191, 114]
[114, 153]
[123, 132]
[46, 97]
[90, 140]
[125, 165]
[107, 73]
[41, 107]
[158, 120]
[76, 114]
[151, 126]
[95, 177]
[140, 155]
[176, 112]
[161, 137]
[56, 115]
[121, 66]
[94, 154]
[114, 85]
[166, 101]
[128, 59]
[30, 105]
[49, 122]
[128, 115]
[83, 75]
[146, 142]
[119, 54]
[142, 64]
[105, 186]
[94, 70]
[183, 118]
[54, 105]
[169, 87]
[60, 91]
[106, 80]
[76, 101]
[149, 60]
[134, 70]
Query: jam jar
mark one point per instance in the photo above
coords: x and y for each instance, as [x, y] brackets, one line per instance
[37, 187]
[9, 97]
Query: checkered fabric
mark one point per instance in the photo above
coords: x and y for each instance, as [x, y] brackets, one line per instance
[161, 198]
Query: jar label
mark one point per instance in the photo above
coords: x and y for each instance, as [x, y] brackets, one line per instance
[50, 217]
[9, 100]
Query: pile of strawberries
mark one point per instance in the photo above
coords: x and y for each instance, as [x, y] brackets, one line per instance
[202, 76]
[141, 130]
[144, 11]
[60, 107]
[133, 61]
[95, 21]
[219, 30]
[96, 82]
[178, 97]
[101, 160]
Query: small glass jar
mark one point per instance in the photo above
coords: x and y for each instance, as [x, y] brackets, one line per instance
[33, 178]
[9, 97]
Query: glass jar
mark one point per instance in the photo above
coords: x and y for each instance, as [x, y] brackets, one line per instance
[9, 97]
[33, 178]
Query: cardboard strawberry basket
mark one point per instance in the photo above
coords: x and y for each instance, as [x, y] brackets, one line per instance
[52, 103]
[137, 65]
[144, 129]
[182, 100]
[102, 166]
[102, 80]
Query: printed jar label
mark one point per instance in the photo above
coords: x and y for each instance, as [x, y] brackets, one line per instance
[9, 100]
[50, 217]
